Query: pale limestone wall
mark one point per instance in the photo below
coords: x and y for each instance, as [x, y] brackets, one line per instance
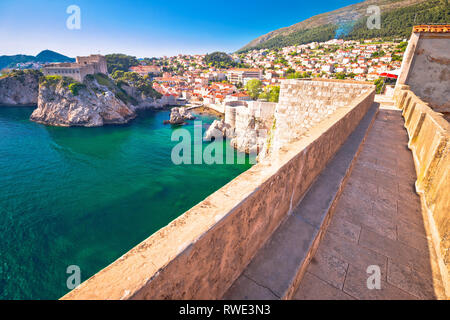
[426, 69]
[97, 61]
[304, 103]
[217, 107]
[200, 254]
[230, 115]
[429, 141]
[252, 122]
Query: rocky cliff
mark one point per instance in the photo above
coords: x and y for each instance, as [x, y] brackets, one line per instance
[248, 128]
[63, 102]
[20, 88]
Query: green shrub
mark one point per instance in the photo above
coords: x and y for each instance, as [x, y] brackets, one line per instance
[103, 80]
[75, 87]
[50, 80]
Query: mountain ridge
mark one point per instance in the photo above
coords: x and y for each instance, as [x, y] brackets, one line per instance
[340, 20]
[43, 56]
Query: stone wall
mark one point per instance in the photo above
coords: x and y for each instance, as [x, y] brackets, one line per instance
[217, 107]
[304, 103]
[426, 69]
[252, 123]
[201, 253]
[429, 141]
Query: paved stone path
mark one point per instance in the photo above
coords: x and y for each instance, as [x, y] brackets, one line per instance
[378, 221]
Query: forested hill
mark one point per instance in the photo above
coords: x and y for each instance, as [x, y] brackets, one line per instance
[397, 19]
[43, 57]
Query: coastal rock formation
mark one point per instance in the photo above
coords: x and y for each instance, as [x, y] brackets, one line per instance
[88, 104]
[20, 88]
[248, 125]
[246, 138]
[179, 115]
[250, 135]
[142, 100]
[219, 128]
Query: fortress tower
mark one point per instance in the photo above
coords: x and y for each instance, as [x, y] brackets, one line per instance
[81, 68]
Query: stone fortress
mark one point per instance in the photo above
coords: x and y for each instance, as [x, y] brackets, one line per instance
[83, 66]
[351, 181]
[264, 127]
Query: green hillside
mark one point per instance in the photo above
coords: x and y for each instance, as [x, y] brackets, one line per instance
[43, 57]
[397, 19]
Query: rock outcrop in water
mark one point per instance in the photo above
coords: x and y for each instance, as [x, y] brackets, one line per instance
[20, 88]
[217, 128]
[179, 115]
[63, 102]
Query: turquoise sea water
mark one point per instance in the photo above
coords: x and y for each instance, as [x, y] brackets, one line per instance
[85, 196]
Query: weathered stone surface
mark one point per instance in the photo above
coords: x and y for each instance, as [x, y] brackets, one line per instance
[385, 230]
[20, 89]
[201, 253]
[93, 106]
[429, 141]
[426, 69]
[247, 289]
[179, 115]
[329, 268]
[319, 99]
[313, 288]
[219, 130]
[295, 241]
[356, 286]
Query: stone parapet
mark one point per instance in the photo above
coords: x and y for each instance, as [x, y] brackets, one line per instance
[200, 254]
[429, 141]
[303, 104]
[426, 66]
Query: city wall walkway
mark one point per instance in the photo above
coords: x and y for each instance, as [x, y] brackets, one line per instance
[378, 221]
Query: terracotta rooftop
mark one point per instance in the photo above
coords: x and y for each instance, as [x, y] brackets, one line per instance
[444, 28]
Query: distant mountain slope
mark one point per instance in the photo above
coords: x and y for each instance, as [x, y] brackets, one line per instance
[52, 56]
[44, 56]
[397, 18]
[19, 58]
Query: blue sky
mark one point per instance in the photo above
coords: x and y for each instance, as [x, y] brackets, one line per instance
[147, 28]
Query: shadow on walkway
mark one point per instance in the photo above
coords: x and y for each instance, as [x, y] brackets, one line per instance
[378, 223]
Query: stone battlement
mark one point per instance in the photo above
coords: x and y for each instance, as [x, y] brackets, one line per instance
[78, 70]
[426, 66]
[200, 254]
[429, 141]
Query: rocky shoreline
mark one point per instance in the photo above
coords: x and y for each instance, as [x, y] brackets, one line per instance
[62, 101]
[20, 88]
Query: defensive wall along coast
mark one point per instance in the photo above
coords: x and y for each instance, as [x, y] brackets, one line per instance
[429, 141]
[202, 253]
[423, 94]
[426, 66]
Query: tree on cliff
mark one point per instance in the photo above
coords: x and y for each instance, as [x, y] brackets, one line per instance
[142, 83]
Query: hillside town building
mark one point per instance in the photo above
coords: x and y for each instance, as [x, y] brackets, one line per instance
[241, 75]
[146, 70]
